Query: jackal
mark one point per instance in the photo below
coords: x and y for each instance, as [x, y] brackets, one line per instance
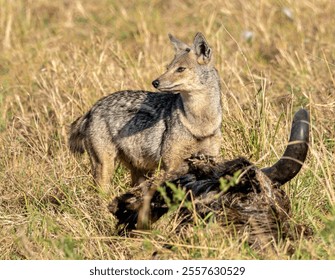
[146, 129]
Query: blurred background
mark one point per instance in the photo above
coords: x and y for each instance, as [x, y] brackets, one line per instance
[57, 58]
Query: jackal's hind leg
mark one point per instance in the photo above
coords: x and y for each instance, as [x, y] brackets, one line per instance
[102, 173]
[103, 164]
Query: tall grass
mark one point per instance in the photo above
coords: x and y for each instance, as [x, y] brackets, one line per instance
[58, 57]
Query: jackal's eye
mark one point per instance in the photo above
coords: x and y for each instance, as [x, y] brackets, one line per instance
[180, 69]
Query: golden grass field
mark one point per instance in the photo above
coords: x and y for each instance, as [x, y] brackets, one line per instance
[57, 58]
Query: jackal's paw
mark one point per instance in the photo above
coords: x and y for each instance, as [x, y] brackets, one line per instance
[202, 157]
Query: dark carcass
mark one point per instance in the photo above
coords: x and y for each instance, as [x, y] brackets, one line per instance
[234, 193]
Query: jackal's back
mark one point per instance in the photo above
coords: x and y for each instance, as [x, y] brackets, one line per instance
[135, 121]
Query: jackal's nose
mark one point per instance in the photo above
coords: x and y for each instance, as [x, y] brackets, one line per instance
[155, 83]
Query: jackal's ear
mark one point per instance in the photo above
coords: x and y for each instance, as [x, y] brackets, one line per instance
[202, 50]
[178, 45]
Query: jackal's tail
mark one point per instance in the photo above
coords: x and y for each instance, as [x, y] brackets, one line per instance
[77, 134]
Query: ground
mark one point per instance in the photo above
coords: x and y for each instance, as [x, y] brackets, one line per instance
[58, 57]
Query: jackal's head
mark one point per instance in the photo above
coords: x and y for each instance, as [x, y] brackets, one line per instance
[191, 69]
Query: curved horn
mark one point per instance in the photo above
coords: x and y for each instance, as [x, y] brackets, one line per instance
[296, 151]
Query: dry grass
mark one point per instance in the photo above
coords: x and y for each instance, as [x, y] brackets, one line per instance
[58, 57]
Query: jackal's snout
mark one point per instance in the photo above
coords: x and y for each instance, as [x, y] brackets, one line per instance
[155, 83]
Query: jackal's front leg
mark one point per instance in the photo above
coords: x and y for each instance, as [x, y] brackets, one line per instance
[174, 160]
